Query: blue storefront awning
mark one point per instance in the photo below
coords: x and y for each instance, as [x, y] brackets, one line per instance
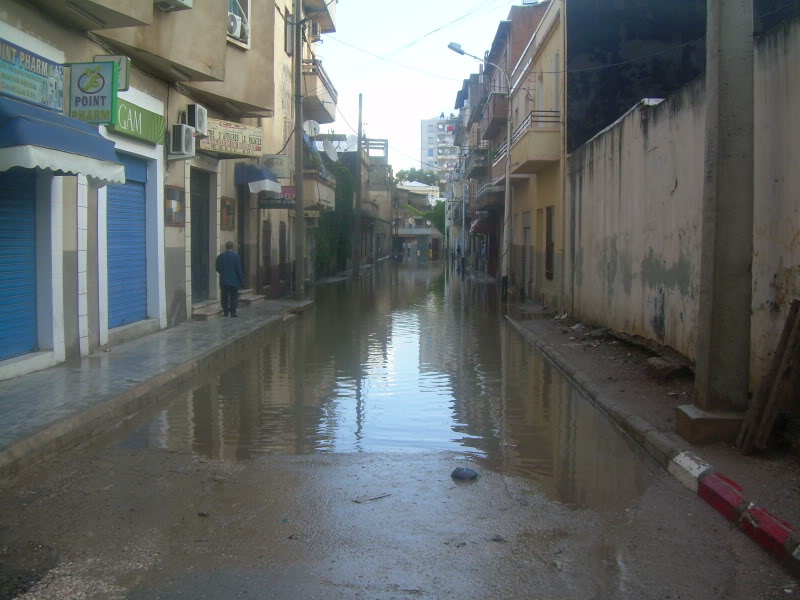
[257, 178]
[35, 138]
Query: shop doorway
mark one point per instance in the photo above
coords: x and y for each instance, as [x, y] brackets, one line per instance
[201, 234]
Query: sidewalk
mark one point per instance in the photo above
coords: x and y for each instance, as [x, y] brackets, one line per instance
[48, 411]
[614, 375]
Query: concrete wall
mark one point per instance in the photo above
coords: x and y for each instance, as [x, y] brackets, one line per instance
[776, 223]
[635, 191]
[168, 40]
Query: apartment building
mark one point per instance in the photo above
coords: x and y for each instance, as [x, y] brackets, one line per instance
[122, 200]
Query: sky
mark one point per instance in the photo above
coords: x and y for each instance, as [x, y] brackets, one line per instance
[397, 98]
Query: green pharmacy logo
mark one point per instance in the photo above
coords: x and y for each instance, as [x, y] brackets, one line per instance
[91, 81]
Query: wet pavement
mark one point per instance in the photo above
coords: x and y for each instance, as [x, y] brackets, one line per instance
[319, 467]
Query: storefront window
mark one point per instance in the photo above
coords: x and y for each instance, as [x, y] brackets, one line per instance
[174, 206]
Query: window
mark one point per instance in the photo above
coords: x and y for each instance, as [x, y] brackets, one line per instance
[288, 32]
[430, 128]
[430, 151]
[549, 249]
[239, 22]
[227, 214]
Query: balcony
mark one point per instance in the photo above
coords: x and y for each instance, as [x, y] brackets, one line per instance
[320, 97]
[319, 189]
[536, 143]
[323, 12]
[477, 162]
[99, 14]
[162, 46]
[495, 115]
[415, 230]
[490, 194]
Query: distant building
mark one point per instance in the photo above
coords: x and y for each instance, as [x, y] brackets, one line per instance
[438, 152]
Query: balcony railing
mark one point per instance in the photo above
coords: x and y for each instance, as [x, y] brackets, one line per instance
[321, 96]
[537, 119]
[495, 115]
[500, 154]
[414, 230]
[477, 162]
[536, 142]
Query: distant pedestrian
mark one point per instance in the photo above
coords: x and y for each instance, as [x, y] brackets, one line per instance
[231, 279]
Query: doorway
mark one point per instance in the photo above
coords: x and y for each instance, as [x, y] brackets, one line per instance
[201, 233]
[266, 253]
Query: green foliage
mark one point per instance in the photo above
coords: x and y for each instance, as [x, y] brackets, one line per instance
[334, 244]
[435, 215]
[428, 177]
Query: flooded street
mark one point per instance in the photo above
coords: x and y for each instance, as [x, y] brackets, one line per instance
[318, 466]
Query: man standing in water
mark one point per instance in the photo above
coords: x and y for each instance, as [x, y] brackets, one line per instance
[231, 279]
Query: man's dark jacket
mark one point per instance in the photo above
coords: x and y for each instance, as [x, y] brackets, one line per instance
[229, 267]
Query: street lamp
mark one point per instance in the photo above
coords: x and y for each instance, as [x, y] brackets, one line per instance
[506, 265]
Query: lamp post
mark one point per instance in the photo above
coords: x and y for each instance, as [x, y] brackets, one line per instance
[506, 265]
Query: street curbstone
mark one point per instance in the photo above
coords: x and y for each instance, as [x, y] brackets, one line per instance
[688, 468]
[769, 531]
[723, 495]
[114, 410]
[780, 538]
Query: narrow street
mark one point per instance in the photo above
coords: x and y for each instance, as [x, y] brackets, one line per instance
[319, 467]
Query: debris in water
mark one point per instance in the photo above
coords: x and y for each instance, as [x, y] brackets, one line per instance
[369, 498]
[462, 474]
[499, 539]
[202, 514]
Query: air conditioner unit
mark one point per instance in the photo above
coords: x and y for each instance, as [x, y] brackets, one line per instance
[173, 5]
[234, 25]
[181, 141]
[197, 117]
[316, 32]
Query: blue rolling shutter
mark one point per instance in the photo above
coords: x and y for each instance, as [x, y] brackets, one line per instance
[127, 246]
[18, 333]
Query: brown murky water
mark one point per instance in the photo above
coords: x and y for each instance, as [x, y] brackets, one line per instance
[416, 360]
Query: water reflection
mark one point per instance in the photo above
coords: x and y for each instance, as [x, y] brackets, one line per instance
[412, 359]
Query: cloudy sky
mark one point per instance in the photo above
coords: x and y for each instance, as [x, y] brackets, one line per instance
[416, 76]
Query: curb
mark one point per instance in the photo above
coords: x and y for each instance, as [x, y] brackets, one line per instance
[82, 427]
[773, 534]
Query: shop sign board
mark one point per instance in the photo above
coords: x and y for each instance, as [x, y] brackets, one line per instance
[140, 123]
[233, 139]
[278, 164]
[275, 202]
[31, 78]
[93, 92]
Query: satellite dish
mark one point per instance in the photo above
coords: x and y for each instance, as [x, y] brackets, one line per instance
[352, 142]
[311, 128]
[330, 150]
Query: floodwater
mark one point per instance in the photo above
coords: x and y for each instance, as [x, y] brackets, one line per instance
[414, 359]
[317, 466]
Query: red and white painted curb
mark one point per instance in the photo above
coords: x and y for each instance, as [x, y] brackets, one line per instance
[775, 535]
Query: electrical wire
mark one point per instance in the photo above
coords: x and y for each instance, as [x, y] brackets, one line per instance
[466, 15]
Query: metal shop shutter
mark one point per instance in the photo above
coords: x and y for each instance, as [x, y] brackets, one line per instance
[127, 246]
[18, 332]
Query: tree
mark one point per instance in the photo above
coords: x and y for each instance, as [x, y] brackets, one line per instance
[428, 177]
[435, 215]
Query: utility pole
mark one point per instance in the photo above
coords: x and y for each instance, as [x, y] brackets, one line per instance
[299, 210]
[357, 208]
[726, 254]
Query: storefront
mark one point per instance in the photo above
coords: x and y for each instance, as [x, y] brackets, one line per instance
[39, 146]
[131, 224]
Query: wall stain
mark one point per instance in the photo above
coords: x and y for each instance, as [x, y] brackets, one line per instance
[655, 273]
[658, 319]
[611, 258]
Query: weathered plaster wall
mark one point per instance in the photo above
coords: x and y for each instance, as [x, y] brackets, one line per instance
[635, 191]
[776, 219]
